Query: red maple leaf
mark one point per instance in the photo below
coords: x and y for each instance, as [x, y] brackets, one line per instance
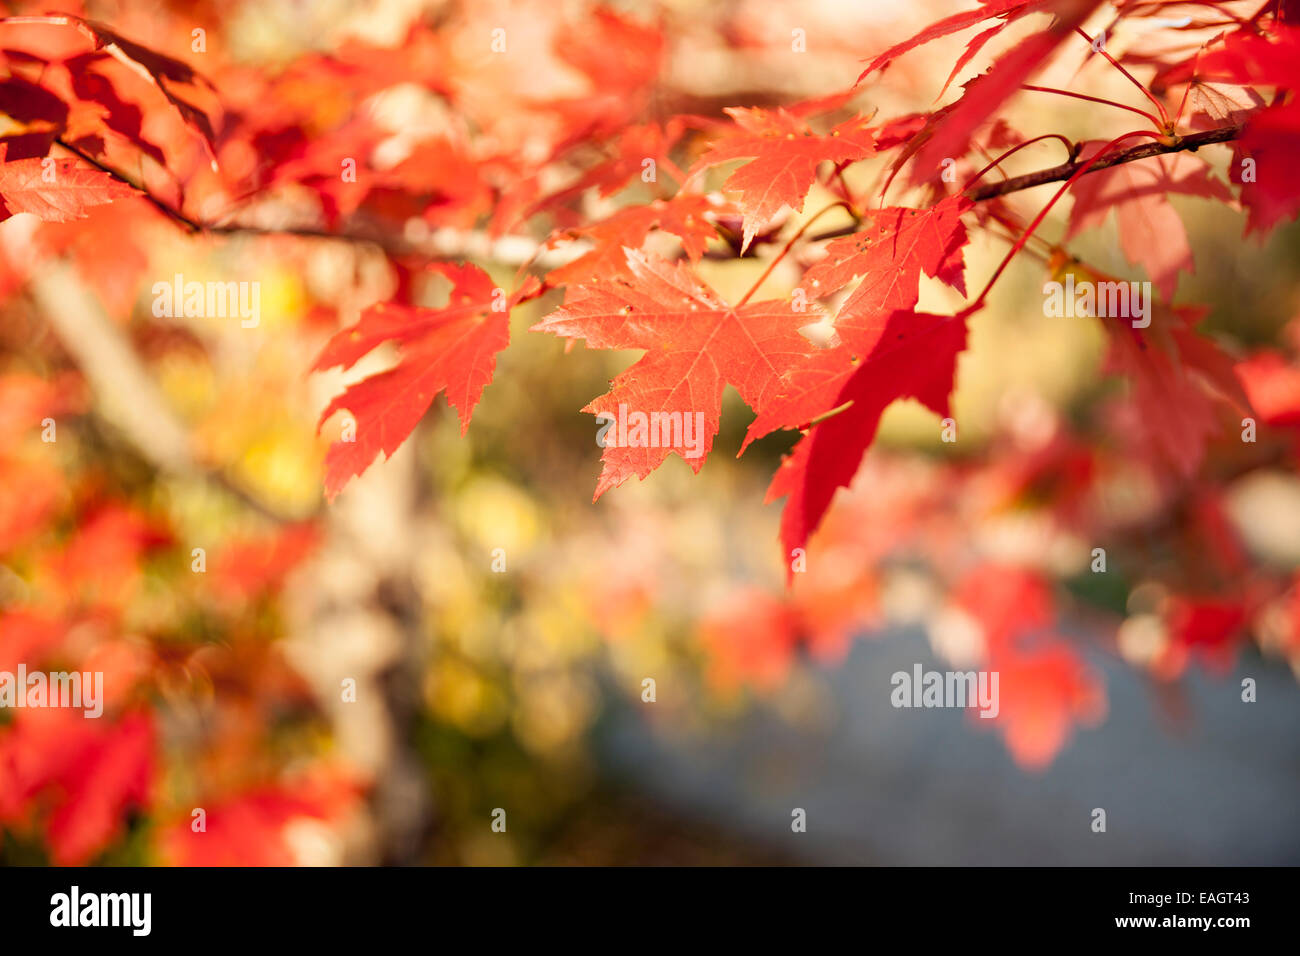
[451, 349]
[1043, 690]
[785, 153]
[248, 566]
[891, 250]
[886, 351]
[56, 190]
[1177, 377]
[1006, 600]
[696, 344]
[91, 771]
[1204, 627]
[251, 828]
[688, 216]
[955, 23]
[1151, 232]
[1273, 385]
[903, 354]
[164, 72]
[949, 132]
[1269, 190]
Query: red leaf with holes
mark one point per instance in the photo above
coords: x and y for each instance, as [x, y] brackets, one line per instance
[885, 352]
[903, 354]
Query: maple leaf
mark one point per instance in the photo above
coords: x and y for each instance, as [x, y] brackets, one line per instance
[891, 250]
[882, 352]
[785, 153]
[630, 151]
[1273, 385]
[247, 567]
[949, 25]
[113, 772]
[91, 772]
[619, 56]
[1271, 193]
[1271, 140]
[251, 828]
[163, 71]
[451, 349]
[1006, 600]
[1176, 377]
[1204, 627]
[1043, 691]
[125, 119]
[1151, 232]
[59, 190]
[687, 216]
[696, 344]
[904, 354]
[749, 638]
[101, 564]
[949, 132]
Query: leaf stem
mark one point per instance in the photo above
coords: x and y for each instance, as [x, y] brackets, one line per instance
[790, 245]
[1042, 214]
[1069, 147]
[1155, 120]
[1131, 78]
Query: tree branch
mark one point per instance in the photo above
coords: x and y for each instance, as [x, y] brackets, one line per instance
[517, 250]
[439, 243]
[1066, 170]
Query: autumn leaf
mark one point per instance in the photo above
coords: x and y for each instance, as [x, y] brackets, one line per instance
[903, 354]
[689, 217]
[1178, 379]
[1264, 166]
[247, 567]
[1271, 192]
[949, 133]
[163, 71]
[1151, 231]
[451, 349]
[695, 345]
[88, 772]
[949, 25]
[1273, 385]
[56, 190]
[114, 771]
[885, 351]
[1044, 690]
[1006, 601]
[890, 251]
[785, 153]
[251, 828]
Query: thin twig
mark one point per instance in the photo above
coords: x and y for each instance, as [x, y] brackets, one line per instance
[1064, 171]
